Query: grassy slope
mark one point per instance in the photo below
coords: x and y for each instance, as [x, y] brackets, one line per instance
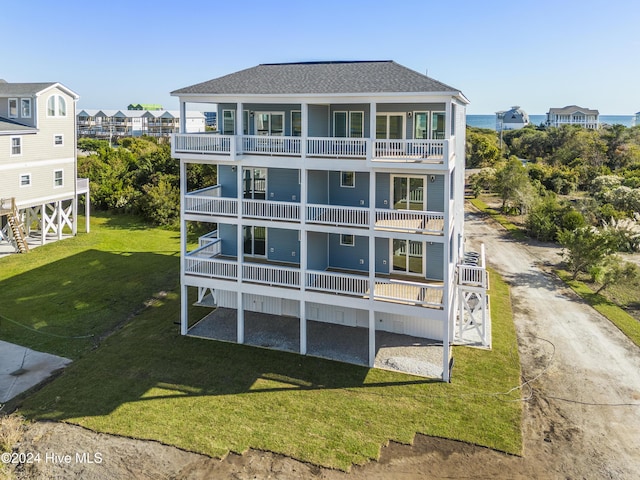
[146, 381]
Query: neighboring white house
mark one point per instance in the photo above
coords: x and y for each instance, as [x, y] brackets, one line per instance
[512, 119]
[636, 120]
[339, 200]
[573, 115]
[135, 123]
[38, 185]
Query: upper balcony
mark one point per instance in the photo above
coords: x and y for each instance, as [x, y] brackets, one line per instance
[236, 147]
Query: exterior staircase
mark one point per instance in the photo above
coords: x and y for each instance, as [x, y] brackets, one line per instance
[17, 228]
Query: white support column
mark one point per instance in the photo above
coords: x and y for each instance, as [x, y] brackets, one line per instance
[43, 223]
[304, 117]
[372, 130]
[240, 255]
[184, 300]
[303, 249]
[74, 214]
[372, 266]
[239, 129]
[183, 117]
[87, 210]
[59, 218]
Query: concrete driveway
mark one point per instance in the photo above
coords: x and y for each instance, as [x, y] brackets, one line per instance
[583, 415]
[22, 368]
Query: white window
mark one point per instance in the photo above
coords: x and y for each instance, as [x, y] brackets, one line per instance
[25, 107]
[57, 178]
[13, 107]
[25, 179]
[348, 179]
[58, 140]
[56, 106]
[16, 146]
[348, 124]
[347, 240]
[228, 122]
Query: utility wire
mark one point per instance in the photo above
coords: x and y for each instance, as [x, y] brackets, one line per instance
[79, 337]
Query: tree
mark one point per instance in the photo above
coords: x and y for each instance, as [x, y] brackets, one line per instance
[514, 187]
[586, 247]
[614, 271]
[482, 148]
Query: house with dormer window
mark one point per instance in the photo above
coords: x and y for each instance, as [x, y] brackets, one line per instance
[339, 201]
[38, 163]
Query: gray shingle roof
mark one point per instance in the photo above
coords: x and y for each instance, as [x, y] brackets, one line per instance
[9, 126]
[320, 78]
[568, 110]
[17, 89]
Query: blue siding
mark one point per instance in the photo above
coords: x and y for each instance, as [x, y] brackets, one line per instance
[317, 251]
[435, 193]
[347, 196]
[318, 121]
[347, 257]
[227, 178]
[283, 245]
[283, 185]
[435, 261]
[383, 190]
[227, 233]
[318, 189]
[382, 255]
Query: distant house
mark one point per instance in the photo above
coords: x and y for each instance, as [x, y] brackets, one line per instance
[573, 115]
[38, 185]
[211, 119]
[135, 123]
[636, 119]
[512, 119]
[339, 200]
[144, 106]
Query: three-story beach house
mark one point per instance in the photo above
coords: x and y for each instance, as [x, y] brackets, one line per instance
[339, 200]
[38, 163]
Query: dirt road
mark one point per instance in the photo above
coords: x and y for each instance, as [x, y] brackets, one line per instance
[582, 417]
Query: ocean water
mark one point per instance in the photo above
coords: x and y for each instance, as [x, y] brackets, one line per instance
[489, 121]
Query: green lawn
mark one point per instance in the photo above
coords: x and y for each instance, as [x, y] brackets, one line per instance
[147, 381]
[500, 218]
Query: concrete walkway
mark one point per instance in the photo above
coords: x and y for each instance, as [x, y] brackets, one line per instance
[22, 368]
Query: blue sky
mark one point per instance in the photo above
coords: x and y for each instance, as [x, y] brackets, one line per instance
[536, 54]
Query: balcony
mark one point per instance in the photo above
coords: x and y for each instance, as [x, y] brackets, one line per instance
[233, 146]
[208, 201]
[206, 261]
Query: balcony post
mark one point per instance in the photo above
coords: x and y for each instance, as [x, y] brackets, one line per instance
[183, 117]
[239, 127]
[371, 144]
[184, 301]
[372, 266]
[304, 114]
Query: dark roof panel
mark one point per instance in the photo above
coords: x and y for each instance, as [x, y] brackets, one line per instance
[319, 78]
[8, 89]
[7, 125]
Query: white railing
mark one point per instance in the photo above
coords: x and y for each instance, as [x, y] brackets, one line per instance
[271, 275]
[278, 145]
[271, 210]
[338, 283]
[410, 220]
[207, 238]
[207, 249]
[208, 205]
[409, 150]
[338, 215]
[413, 293]
[337, 147]
[214, 191]
[212, 268]
[472, 275]
[203, 143]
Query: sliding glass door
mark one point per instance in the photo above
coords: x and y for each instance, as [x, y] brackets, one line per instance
[408, 257]
[269, 123]
[390, 126]
[255, 241]
[408, 193]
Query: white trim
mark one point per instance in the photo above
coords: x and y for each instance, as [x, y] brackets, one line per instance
[342, 184]
[19, 154]
[345, 243]
[61, 144]
[17, 107]
[37, 163]
[61, 178]
[28, 176]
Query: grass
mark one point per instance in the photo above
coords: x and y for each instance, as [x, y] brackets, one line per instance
[514, 230]
[146, 381]
[625, 322]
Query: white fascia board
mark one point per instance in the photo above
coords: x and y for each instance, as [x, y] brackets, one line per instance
[61, 87]
[386, 97]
